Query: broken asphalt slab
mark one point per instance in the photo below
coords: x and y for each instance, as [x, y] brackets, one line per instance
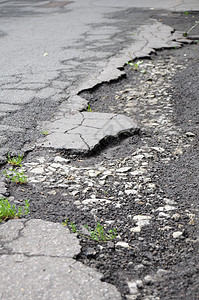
[147, 40]
[85, 131]
[37, 262]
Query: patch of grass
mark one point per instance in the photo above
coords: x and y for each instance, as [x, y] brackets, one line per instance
[98, 234]
[15, 160]
[44, 132]
[89, 108]
[9, 211]
[15, 176]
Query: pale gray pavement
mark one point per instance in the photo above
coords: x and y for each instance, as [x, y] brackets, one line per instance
[52, 50]
[38, 263]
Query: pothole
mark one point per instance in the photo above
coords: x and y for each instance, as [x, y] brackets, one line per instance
[125, 187]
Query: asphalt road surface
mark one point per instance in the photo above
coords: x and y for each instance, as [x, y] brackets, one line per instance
[50, 48]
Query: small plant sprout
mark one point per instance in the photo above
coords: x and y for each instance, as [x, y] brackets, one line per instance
[71, 225]
[89, 108]
[65, 223]
[98, 234]
[15, 176]
[135, 65]
[27, 207]
[15, 161]
[9, 211]
[44, 132]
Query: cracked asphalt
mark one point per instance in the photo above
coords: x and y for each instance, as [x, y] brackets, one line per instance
[49, 52]
[56, 55]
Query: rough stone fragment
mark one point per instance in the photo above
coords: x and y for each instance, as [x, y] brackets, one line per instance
[190, 134]
[61, 159]
[141, 217]
[163, 215]
[131, 192]
[136, 229]
[124, 169]
[95, 200]
[122, 244]
[162, 272]
[166, 208]
[142, 220]
[133, 288]
[148, 279]
[38, 170]
[177, 234]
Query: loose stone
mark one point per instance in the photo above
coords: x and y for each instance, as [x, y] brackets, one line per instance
[131, 192]
[38, 170]
[136, 229]
[142, 220]
[177, 234]
[133, 288]
[163, 215]
[123, 170]
[61, 159]
[190, 134]
[166, 208]
[122, 244]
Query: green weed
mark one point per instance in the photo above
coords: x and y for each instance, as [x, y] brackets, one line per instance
[15, 176]
[135, 65]
[9, 211]
[15, 161]
[73, 227]
[89, 108]
[65, 223]
[44, 132]
[98, 234]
